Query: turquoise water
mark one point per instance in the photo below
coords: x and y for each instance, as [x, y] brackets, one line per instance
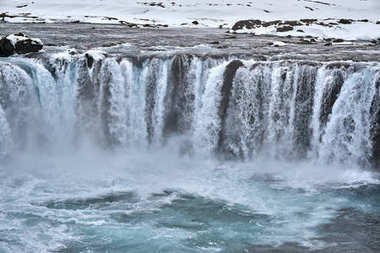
[159, 202]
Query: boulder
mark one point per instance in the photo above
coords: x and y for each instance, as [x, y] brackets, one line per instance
[248, 24]
[285, 28]
[345, 21]
[6, 47]
[20, 44]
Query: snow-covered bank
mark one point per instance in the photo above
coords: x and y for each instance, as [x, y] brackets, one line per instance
[211, 13]
[346, 29]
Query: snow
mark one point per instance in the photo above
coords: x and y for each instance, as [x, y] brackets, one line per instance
[14, 38]
[279, 43]
[354, 31]
[208, 13]
[96, 54]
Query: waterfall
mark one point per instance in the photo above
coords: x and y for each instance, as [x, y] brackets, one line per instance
[327, 112]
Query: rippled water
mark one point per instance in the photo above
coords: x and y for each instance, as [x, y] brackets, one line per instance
[159, 202]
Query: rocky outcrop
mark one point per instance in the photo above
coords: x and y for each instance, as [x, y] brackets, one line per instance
[285, 28]
[247, 24]
[6, 48]
[20, 44]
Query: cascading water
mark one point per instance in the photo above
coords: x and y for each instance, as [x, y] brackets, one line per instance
[187, 153]
[285, 110]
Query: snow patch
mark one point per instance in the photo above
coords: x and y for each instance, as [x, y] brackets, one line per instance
[279, 43]
[14, 38]
[96, 54]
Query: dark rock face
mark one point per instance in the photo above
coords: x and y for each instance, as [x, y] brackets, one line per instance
[20, 44]
[178, 99]
[28, 46]
[375, 127]
[330, 95]
[90, 60]
[248, 24]
[6, 48]
[304, 101]
[228, 77]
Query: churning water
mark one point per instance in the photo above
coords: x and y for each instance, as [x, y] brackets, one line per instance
[188, 154]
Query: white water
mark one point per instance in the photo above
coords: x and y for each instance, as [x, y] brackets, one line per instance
[74, 135]
[274, 109]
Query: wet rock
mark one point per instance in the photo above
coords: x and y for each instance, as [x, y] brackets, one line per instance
[89, 60]
[228, 77]
[247, 24]
[19, 43]
[331, 93]
[6, 48]
[285, 28]
[375, 127]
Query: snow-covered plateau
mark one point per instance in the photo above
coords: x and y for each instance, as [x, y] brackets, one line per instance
[363, 14]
